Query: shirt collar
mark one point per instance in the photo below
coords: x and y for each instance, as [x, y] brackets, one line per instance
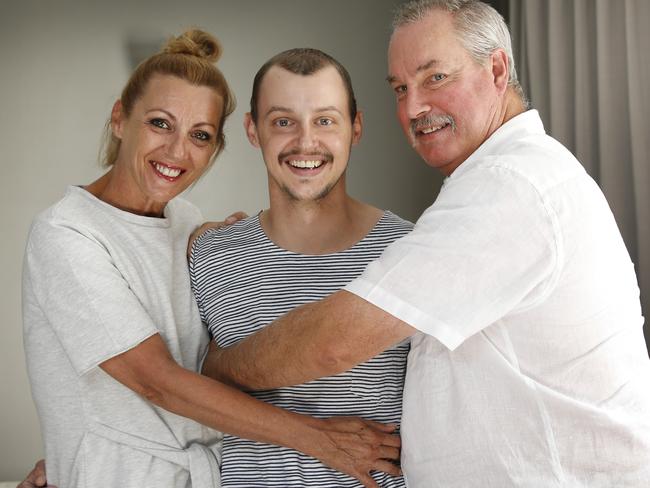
[522, 125]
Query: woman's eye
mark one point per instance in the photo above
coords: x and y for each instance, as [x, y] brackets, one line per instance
[160, 123]
[202, 136]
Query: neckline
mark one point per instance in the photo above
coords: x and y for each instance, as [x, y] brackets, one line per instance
[268, 242]
[81, 192]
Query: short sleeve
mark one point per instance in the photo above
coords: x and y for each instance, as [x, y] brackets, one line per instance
[82, 295]
[197, 249]
[487, 247]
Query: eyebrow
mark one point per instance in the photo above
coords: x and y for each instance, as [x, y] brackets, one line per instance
[329, 108]
[171, 116]
[278, 108]
[419, 69]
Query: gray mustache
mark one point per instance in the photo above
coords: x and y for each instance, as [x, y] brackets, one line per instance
[431, 120]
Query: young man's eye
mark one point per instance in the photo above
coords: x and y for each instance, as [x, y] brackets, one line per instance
[282, 122]
[160, 123]
[325, 121]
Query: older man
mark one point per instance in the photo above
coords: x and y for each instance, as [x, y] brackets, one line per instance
[528, 365]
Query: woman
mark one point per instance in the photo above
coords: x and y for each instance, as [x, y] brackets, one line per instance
[112, 334]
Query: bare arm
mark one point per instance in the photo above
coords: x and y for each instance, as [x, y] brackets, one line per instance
[314, 340]
[353, 446]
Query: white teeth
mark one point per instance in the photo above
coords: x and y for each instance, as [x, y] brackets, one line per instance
[429, 130]
[172, 173]
[305, 164]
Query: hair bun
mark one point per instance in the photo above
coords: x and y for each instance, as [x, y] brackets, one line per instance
[194, 42]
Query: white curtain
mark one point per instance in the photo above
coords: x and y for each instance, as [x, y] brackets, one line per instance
[585, 65]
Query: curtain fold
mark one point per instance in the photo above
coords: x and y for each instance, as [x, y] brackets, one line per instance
[585, 65]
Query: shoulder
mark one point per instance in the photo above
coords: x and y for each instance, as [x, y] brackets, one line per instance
[390, 227]
[395, 222]
[69, 215]
[521, 151]
[242, 229]
[228, 242]
[180, 210]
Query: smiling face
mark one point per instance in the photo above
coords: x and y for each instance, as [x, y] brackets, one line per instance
[304, 131]
[167, 142]
[447, 103]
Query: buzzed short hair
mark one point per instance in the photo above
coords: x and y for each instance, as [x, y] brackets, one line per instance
[303, 61]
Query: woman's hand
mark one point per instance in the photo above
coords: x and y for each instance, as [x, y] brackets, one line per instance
[36, 478]
[231, 219]
[357, 447]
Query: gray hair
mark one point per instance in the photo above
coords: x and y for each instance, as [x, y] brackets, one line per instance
[480, 29]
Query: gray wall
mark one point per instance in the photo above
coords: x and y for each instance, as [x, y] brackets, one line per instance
[64, 63]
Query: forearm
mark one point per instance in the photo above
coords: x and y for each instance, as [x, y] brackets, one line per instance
[314, 340]
[151, 371]
[229, 410]
[353, 446]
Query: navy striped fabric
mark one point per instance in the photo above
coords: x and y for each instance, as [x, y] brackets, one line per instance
[242, 282]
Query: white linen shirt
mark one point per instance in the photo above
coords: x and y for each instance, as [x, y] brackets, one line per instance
[531, 368]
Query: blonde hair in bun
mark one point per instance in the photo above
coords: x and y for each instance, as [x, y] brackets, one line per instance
[191, 57]
[195, 42]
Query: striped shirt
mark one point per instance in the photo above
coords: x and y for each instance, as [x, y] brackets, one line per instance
[242, 282]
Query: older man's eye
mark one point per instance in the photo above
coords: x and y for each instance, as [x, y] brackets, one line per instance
[399, 91]
[438, 77]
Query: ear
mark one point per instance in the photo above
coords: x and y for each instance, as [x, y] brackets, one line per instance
[117, 119]
[500, 70]
[251, 130]
[357, 127]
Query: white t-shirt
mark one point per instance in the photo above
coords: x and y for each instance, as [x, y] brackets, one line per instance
[97, 282]
[531, 369]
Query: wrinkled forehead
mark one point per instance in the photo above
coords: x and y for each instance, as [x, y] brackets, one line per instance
[180, 96]
[432, 38]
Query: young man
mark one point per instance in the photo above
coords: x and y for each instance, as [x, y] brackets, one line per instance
[532, 368]
[311, 241]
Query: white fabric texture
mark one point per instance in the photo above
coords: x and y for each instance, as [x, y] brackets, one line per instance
[97, 282]
[531, 369]
[584, 65]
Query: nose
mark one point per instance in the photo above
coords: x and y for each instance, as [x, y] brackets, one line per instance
[416, 104]
[307, 139]
[176, 146]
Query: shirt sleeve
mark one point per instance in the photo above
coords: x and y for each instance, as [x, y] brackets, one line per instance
[84, 297]
[486, 247]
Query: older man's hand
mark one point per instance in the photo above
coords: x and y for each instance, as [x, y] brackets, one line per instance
[358, 447]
